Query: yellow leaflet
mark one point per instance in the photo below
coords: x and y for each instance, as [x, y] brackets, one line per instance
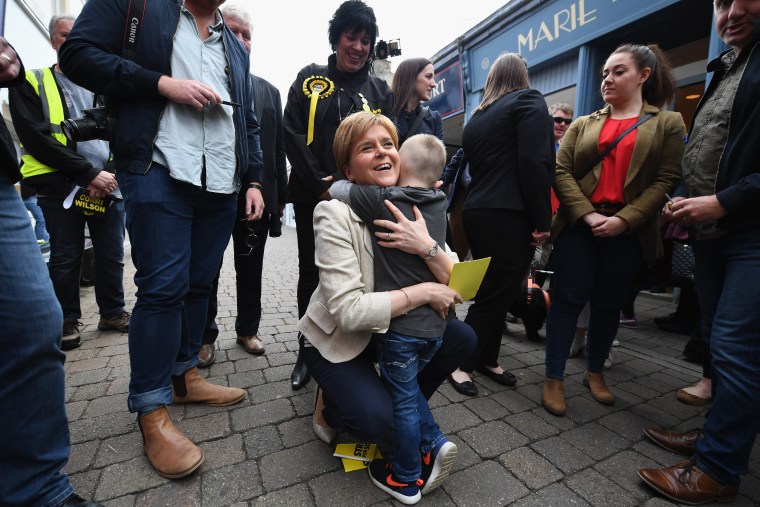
[467, 276]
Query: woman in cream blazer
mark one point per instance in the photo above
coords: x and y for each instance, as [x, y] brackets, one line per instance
[608, 221]
[344, 312]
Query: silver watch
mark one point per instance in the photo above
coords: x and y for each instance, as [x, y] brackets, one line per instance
[432, 252]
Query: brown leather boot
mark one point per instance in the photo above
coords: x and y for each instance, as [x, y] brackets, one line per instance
[190, 387]
[599, 390]
[170, 452]
[553, 397]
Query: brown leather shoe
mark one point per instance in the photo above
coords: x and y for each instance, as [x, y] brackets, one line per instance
[686, 483]
[599, 390]
[553, 397]
[252, 344]
[170, 452]
[190, 387]
[206, 356]
[680, 443]
[692, 399]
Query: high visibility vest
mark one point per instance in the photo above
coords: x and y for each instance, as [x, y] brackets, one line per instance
[44, 84]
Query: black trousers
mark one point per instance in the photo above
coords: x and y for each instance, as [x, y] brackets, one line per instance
[504, 236]
[249, 264]
[308, 274]
[355, 398]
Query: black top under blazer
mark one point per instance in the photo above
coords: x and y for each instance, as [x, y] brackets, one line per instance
[510, 148]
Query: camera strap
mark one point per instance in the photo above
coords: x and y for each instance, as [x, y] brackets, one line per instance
[135, 14]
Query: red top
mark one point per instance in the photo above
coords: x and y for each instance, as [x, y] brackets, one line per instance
[615, 165]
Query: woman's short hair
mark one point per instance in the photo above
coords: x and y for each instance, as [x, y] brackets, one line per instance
[356, 16]
[405, 81]
[508, 73]
[660, 86]
[352, 128]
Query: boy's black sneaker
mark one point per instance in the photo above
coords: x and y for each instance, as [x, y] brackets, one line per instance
[436, 465]
[381, 473]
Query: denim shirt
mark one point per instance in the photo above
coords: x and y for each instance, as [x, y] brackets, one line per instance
[197, 146]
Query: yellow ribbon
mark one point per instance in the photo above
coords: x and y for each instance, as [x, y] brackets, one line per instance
[315, 88]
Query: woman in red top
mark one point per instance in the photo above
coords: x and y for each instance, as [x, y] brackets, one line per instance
[607, 223]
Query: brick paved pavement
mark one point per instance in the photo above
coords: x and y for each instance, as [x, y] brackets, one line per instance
[262, 451]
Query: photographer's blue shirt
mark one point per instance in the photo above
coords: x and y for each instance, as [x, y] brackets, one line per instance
[199, 145]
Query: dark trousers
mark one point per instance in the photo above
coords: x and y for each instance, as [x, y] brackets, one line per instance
[504, 236]
[249, 265]
[594, 270]
[308, 274]
[66, 228]
[355, 398]
[727, 274]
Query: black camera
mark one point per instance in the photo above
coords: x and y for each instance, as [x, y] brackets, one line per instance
[96, 123]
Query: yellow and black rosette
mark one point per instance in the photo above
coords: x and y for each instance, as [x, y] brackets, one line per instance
[315, 88]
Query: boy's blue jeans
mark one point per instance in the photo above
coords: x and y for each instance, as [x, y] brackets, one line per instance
[401, 358]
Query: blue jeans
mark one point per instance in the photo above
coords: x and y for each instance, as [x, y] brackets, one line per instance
[727, 276]
[401, 358]
[178, 233]
[588, 269]
[66, 228]
[39, 219]
[33, 425]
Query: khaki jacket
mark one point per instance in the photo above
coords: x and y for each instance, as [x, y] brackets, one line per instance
[655, 169]
[343, 312]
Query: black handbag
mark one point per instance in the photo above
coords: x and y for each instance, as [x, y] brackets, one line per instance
[682, 266]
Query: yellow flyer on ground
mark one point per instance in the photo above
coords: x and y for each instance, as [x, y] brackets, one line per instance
[356, 456]
[467, 276]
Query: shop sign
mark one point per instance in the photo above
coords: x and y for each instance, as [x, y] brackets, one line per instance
[447, 97]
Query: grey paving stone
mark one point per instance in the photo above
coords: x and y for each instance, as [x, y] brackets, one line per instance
[595, 440]
[550, 496]
[655, 416]
[86, 365]
[303, 402]
[128, 477]
[530, 468]
[222, 366]
[532, 426]
[259, 415]
[180, 493]
[341, 488]
[466, 456]
[107, 405]
[120, 448]
[100, 427]
[621, 469]
[583, 409]
[261, 441]
[670, 405]
[272, 391]
[208, 427]
[223, 452]
[487, 483]
[88, 377]
[75, 409]
[246, 379]
[84, 483]
[296, 431]
[87, 392]
[123, 501]
[562, 455]
[625, 424]
[121, 350]
[297, 495]
[453, 418]
[297, 464]
[81, 457]
[486, 408]
[493, 438]
[234, 483]
[596, 489]
[118, 386]
[513, 401]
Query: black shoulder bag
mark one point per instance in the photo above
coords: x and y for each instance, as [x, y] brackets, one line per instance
[614, 143]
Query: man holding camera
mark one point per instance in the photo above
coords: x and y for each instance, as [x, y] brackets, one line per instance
[186, 141]
[53, 165]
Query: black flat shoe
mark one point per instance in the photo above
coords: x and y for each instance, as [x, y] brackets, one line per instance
[467, 388]
[505, 379]
[300, 375]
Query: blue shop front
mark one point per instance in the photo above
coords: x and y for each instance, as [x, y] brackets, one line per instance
[565, 43]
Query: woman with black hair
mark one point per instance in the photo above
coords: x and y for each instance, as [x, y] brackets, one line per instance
[413, 82]
[319, 99]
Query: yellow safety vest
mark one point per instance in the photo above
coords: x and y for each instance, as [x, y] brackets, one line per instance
[43, 82]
